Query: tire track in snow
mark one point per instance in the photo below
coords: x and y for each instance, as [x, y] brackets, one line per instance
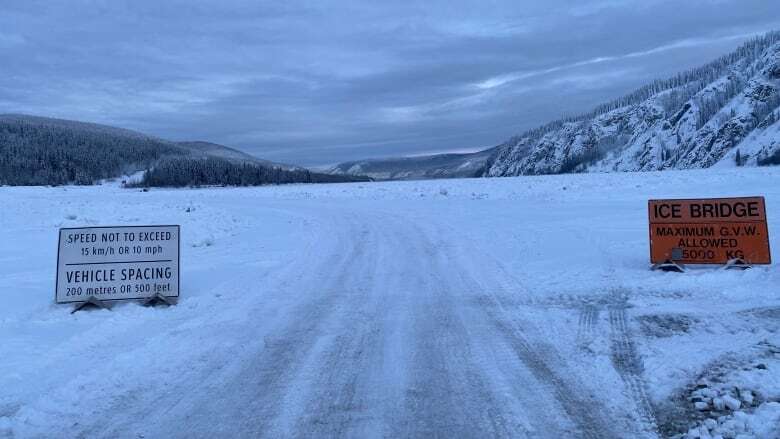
[448, 394]
[248, 399]
[587, 325]
[440, 391]
[592, 423]
[586, 413]
[629, 366]
[130, 401]
[335, 397]
[316, 372]
[277, 368]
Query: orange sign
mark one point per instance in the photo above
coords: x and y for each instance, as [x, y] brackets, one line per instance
[709, 231]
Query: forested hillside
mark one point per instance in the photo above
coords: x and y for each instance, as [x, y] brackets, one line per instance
[213, 171]
[43, 151]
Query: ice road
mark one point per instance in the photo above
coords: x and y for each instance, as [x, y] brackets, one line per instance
[518, 307]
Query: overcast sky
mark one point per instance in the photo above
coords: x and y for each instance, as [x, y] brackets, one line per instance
[317, 83]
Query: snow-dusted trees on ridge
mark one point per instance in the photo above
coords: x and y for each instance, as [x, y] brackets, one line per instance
[764, 113]
[41, 154]
[770, 160]
[715, 101]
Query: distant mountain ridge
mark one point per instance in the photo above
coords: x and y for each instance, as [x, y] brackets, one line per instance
[208, 149]
[412, 168]
[44, 151]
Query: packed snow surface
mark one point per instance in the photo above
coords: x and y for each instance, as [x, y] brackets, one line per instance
[516, 307]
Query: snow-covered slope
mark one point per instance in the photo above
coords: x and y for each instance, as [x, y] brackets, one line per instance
[513, 307]
[698, 119]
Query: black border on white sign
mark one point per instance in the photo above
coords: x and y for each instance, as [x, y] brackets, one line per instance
[178, 258]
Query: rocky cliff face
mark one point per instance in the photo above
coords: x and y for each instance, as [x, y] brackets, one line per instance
[725, 113]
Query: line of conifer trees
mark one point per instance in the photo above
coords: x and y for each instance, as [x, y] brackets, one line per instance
[187, 172]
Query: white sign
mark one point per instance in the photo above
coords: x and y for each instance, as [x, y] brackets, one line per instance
[117, 263]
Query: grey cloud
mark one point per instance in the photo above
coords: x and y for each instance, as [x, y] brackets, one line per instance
[323, 82]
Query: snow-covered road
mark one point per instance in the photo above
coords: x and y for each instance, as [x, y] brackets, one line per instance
[474, 308]
[386, 330]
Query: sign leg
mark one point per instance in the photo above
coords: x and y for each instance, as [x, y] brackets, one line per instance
[669, 266]
[158, 300]
[737, 264]
[91, 303]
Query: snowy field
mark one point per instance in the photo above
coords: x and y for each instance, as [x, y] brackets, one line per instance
[518, 307]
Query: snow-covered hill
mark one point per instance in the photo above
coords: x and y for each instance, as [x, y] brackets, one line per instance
[724, 113]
